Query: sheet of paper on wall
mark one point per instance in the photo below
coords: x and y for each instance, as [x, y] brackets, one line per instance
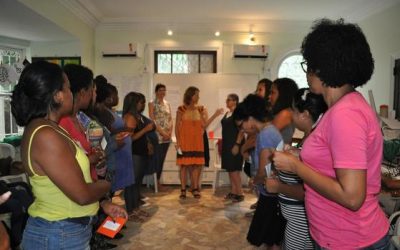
[391, 123]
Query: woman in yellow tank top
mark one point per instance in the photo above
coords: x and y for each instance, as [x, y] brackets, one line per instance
[66, 198]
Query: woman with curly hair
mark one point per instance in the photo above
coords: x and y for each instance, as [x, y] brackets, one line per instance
[308, 109]
[340, 160]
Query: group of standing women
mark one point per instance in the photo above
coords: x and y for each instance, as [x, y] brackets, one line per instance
[61, 174]
[338, 162]
[323, 194]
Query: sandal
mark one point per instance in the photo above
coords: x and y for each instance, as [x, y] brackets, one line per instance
[183, 194]
[237, 198]
[143, 213]
[196, 193]
[229, 196]
[134, 216]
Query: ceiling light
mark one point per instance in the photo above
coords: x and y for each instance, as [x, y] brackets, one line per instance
[217, 33]
[252, 38]
[170, 33]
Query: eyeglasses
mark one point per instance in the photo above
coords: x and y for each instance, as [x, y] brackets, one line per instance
[303, 65]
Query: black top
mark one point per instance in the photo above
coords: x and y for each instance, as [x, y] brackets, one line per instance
[230, 162]
[139, 146]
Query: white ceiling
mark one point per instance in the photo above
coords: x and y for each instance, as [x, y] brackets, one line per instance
[19, 21]
[188, 16]
[185, 16]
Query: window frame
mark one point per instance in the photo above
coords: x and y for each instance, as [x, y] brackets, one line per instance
[5, 95]
[188, 52]
[286, 56]
[60, 60]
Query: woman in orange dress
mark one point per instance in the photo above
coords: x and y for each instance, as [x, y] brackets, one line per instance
[190, 121]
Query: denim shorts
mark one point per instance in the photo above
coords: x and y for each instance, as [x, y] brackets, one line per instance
[47, 235]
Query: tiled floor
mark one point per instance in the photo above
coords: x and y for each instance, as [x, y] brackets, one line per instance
[207, 223]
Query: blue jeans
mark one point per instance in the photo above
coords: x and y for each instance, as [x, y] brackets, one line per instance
[382, 244]
[47, 235]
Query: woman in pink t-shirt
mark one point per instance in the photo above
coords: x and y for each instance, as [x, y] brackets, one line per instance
[341, 159]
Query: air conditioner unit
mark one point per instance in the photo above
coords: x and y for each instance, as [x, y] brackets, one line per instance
[250, 51]
[120, 50]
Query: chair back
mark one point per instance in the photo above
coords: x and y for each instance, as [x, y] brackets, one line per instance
[217, 156]
[7, 150]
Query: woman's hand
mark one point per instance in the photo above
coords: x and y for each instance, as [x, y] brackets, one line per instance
[101, 171]
[113, 210]
[219, 111]
[4, 197]
[258, 179]
[165, 135]
[97, 156]
[293, 150]
[149, 127]
[246, 155]
[235, 149]
[285, 161]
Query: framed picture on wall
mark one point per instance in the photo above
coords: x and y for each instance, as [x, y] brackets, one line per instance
[59, 60]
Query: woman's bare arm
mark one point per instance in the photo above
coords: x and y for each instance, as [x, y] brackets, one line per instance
[348, 188]
[52, 154]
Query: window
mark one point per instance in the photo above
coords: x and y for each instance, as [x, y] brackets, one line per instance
[290, 68]
[185, 62]
[11, 61]
[62, 61]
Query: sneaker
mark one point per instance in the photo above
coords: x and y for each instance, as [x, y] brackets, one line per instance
[144, 204]
[144, 198]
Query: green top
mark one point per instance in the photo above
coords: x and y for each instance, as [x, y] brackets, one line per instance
[50, 202]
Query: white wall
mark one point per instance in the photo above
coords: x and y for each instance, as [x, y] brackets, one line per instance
[128, 69]
[62, 17]
[383, 34]
[381, 31]
[54, 49]
[279, 44]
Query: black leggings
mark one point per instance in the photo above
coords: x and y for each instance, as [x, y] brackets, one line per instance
[140, 163]
[160, 152]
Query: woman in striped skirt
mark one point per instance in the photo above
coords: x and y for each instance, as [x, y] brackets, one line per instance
[307, 110]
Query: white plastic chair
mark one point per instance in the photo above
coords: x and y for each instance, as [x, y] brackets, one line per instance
[148, 181]
[7, 150]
